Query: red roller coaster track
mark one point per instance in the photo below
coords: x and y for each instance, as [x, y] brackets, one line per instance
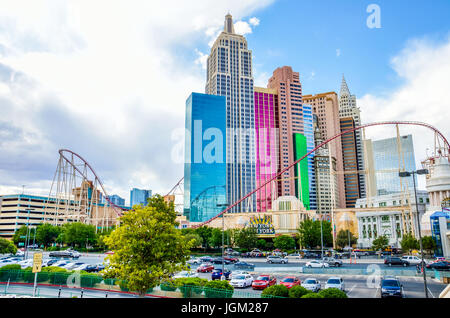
[116, 208]
[386, 123]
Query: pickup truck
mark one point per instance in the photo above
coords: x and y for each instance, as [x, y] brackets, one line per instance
[332, 261]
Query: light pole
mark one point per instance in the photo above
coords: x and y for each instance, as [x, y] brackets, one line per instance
[408, 174]
[25, 254]
[223, 243]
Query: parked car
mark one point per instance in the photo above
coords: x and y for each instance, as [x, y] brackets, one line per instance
[441, 265]
[316, 264]
[294, 256]
[61, 263]
[220, 260]
[276, 259]
[85, 267]
[335, 282]
[312, 284]
[290, 281]
[244, 265]
[264, 281]
[235, 273]
[391, 287]
[206, 259]
[194, 261]
[241, 281]
[413, 260]
[49, 262]
[231, 259]
[65, 254]
[230, 251]
[389, 260]
[185, 274]
[72, 265]
[25, 263]
[205, 268]
[217, 273]
[310, 255]
[7, 262]
[332, 261]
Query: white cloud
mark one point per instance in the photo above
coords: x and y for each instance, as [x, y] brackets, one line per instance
[110, 78]
[424, 69]
[338, 52]
[254, 21]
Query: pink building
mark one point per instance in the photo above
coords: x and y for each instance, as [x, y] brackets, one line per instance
[266, 126]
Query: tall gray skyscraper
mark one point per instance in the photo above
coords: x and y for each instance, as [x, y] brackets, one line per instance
[229, 74]
[348, 108]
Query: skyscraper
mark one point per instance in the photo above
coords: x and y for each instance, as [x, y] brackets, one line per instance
[204, 168]
[229, 74]
[267, 148]
[349, 155]
[325, 107]
[389, 157]
[115, 199]
[348, 108]
[138, 196]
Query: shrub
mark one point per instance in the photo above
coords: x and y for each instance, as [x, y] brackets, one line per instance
[53, 248]
[56, 275]
[275, 291]
[168, 286]
[312, 295]
[123, 284]
[109, 281]
[190, 285]
[218, 289]
[298, 292]
[89, 280]
[28, 275]
[12, 272]
[332, 293]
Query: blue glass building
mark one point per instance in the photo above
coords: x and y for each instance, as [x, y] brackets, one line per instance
[116, 200]
[138, 196]
[440, 225]
[205, 152]
[386, 158]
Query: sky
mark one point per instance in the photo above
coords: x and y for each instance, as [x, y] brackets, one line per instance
[109, 79]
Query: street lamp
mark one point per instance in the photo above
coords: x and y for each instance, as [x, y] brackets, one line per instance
[25, 254]
[223, 231]
[405, 174]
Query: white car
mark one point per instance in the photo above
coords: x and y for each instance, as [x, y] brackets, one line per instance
[312, 284]
[194, 261]
[316, 264]
[335, 282]
[294, 256]
[61, 263]
[72, 265]
[82, 267]
[413, 260]
[185, 274]
[235, 273]
[25, 263]
[7, 262]
[242, 281]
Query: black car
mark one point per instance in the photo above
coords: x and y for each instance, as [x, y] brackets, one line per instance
[219, 260]
[310, 255]
[395, 261]
[391, 287]
[206, 259]
[60, 254]
[440, 266]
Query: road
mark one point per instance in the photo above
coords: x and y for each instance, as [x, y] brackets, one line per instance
[359, 280]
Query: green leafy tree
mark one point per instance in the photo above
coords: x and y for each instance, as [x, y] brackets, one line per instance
[215, 240]
[78, 234]
[261, 244]
[47, 234]
[342, 238]
[17, 237]
[195, 238]
[429, 244]
[246, 238]
[309, 233]
[205, 233]
[298, 291]
[380, 243]
[7, 247]
[148, 247]
[284, 242]
[409, 243]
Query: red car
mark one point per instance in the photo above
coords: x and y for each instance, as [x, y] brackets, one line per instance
[264, 281]
[205, 268]
[290, 281]
[231, 259]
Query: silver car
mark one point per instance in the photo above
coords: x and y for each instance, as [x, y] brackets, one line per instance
[277, 260]
[312, 284]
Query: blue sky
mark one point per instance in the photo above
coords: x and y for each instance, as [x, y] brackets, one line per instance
[109, 80]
